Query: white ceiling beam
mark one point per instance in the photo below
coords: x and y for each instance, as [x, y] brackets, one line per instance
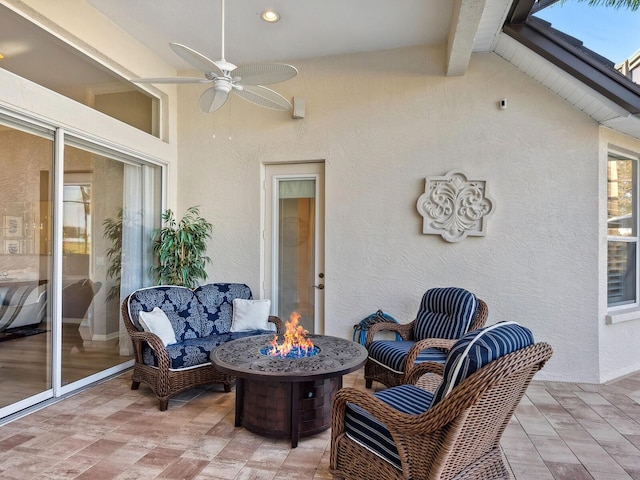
[463, 28]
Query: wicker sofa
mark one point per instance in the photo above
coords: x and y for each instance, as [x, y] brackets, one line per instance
[201, 319]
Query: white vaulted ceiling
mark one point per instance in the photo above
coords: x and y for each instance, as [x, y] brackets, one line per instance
[309, 28]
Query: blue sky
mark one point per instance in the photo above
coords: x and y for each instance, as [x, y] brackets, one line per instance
[613, 33]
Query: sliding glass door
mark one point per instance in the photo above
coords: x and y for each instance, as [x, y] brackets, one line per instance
[75, 239]
[110, 209]
[26, 161]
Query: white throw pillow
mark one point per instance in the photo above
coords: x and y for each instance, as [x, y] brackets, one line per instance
[156, 321]
[250, 315]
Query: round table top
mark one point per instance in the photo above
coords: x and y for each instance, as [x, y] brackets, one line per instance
[242, 358]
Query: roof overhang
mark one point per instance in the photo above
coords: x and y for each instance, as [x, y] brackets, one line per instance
[599, 90]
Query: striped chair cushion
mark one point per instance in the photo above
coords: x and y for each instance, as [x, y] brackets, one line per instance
[478, 348]
[445, 313]
[371, 433]
[392, 354]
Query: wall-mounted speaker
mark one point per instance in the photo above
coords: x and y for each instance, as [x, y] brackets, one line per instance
[298, 107]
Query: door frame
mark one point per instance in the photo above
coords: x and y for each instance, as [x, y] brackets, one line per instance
[271, 172]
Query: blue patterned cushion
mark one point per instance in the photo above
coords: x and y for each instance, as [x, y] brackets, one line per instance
[445, 313]
[372, 433]
[216, 300]
[478, 348]
[195, 351]
[392, 354]
[178, 303]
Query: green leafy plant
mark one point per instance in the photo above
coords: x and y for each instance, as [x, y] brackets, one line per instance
[113, 233]
[180, 248]
[630, 4]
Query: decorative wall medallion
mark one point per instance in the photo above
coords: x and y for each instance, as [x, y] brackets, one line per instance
[454, 207]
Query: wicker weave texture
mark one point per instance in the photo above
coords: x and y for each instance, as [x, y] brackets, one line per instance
[374, 371]
[459, 438]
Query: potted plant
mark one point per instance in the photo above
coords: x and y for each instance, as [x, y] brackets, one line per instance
[180, 248]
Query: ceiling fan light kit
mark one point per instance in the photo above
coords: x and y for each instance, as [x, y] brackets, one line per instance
[246, 81]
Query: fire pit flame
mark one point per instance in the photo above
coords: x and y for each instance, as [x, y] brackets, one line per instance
[295, 343]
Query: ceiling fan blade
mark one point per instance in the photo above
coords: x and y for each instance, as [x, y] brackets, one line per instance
[264, 97]
[212, 99]
[195, 58]
[171, 80]
[265, 73]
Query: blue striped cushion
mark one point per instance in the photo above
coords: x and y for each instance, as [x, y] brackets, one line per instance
[445, 313]
[392, 354]
[371, 433]
[478, 348]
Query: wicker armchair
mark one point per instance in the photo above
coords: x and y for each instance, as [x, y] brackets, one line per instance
[453, 433]
[445, 315]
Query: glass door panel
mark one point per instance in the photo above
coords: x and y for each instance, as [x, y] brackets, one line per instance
[26, 160]
[296, 250]
[105, 205]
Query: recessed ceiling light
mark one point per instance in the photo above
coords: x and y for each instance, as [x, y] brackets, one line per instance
[270, 16]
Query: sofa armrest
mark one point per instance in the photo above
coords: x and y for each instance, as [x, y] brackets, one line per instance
[405, 330]
[278, 323]
[139, 338]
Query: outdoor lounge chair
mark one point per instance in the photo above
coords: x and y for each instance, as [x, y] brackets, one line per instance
[445, 315]
[406, 432]
[23, 305]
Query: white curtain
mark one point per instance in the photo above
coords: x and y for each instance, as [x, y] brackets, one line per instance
[139, 217]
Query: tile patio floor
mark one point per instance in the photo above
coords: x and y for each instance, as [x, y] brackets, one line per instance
[560, 431]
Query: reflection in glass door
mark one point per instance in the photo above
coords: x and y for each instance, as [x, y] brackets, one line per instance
[60, 325]
[26, 160]
[110, 209]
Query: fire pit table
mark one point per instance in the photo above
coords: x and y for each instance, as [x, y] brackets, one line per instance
[286, 397]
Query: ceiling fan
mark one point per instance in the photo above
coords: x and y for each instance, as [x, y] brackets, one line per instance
[245, 81]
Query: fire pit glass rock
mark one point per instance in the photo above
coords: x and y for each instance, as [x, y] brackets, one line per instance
[295, 352]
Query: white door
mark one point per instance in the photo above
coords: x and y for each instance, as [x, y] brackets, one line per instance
[294, 242]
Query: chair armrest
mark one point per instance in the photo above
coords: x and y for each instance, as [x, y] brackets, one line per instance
[402, 426]
[395, 420]
[405, 330]
[421, 345]
[277, 321]
[138, 338]
[415, 373]
[368, 402]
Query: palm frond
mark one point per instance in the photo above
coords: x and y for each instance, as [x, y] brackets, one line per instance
[632, 5]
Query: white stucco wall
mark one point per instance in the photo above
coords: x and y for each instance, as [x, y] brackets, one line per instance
[382, 122]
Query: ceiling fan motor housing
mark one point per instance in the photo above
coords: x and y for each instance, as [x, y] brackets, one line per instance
[222, 84]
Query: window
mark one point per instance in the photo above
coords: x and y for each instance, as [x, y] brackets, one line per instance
[76, 230]
[622, 230]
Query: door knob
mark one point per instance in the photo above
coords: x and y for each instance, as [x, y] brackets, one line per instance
[319, 287]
